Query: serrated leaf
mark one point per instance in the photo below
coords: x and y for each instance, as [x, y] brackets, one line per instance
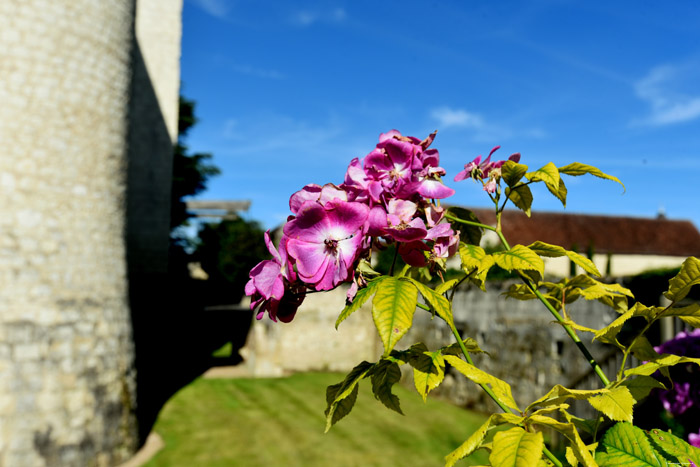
[392, 310]
[675, 447]
[520, 292]
[574, 325]
[446, 286]
[558, 394]
[439, 303]
[470, 445]
[521, 196]
[664, 361]
[499, 387]
[512, 172]
[627, 445]
[549, 174]
[360, 298]
[643, 350]
[617, 404]
[688, 314]
[516, 448]
[428, 369]
[341, 397]
[609, 333]
[477, 262]
[641, 386]
[561, 192]
[384, 375]
[576, 168]
[467, 233]
[687, 277]
[519, 257]
[579, 448]
[555, 251]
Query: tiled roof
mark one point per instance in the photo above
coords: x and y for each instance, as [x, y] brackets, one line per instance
[604, 234]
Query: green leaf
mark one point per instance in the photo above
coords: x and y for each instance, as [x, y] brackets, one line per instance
[428, 369]
[689, 314]
[521, 196]
[474, 258]
[617, 404]
[559, 394]
[555, 251]
[360, 298]
[549, 174]
[392, 309]
[439, 303]
[675, 447]
[575, 169]
[499, 387]
[520, 292]
[560, 193]
[341, 397]
[446, 286]
[470, 445]
[643, 350]
[516, 448]
[512, 172]
[609, 333]
[385, 374]
[641, 386]
[579, 450]
[468, 233]
[627, 445]
[680, 285]
[519, 257]
[664, 361]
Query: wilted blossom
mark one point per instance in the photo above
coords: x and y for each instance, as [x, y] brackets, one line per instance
[270, 286]
[481, 170]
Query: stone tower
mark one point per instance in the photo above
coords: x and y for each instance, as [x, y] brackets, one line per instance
[89, 95]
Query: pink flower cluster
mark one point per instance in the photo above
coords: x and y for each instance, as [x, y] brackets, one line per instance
[491, 171]
[387, 197]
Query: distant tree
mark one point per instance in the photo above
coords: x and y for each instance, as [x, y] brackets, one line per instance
[190, 171]
[227, 251]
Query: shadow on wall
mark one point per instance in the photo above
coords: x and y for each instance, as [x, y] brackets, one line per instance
[174, 336]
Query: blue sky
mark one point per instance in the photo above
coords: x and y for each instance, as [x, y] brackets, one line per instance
[289, 92]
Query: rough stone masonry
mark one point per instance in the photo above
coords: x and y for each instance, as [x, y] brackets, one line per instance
[75, 79]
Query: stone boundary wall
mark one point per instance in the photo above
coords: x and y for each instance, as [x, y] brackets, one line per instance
[527, 350]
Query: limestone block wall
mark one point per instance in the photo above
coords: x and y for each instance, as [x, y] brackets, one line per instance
[67, 383]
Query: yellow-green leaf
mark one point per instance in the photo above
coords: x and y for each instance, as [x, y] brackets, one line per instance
[555, 251]
[341, 397]
[641, 386]
[609, 333]
[512, 172]
[560, 193]
[559, 394]
[392, 309]
[428, 368]
[579, 449]
[519, 257]
[576, 168]
[499, 387]
[680, 285]
[360, 298]
[549, 174]
[617, 404]
[521, 196]
[446, 286]
[664, 361]
[470, 445]
[689, 314]
[516, 448]
[439, 303]
[475, 261]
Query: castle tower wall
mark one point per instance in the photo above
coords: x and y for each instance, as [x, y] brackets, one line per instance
[69, 91]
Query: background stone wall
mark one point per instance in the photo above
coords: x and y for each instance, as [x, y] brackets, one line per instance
[67, 77]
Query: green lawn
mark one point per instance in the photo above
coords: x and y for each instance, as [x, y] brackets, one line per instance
[280, 422]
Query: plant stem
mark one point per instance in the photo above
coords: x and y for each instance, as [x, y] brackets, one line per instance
[491, 394]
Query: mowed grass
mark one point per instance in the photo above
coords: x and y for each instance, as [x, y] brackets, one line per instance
[280, 422]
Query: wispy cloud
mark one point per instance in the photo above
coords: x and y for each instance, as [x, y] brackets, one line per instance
[672, 92]
[481, 129]
[305, 18]
[216, 8]
[257, 72]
